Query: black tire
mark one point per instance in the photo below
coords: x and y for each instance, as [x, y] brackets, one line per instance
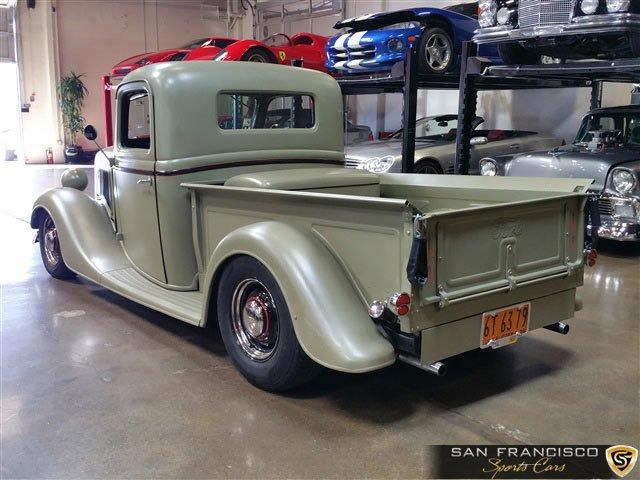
[515, 54]
[434, 40]
[50, 249]
[430, 167]
[282, 364]
[634, 45]
[256, 55]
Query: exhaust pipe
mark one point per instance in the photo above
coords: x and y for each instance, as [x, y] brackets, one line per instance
[437, 368]
[558, 327]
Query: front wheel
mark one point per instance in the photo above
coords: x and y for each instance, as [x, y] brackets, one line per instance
[50, 249]
[428, 167]
[256, 55]
[516, 54]
[256, 328]
[436, 51]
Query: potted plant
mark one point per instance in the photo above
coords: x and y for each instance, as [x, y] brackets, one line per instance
[71, 94]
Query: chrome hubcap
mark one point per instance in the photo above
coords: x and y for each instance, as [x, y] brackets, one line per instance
[255, 319]
[256, 58]
[438, 52]
[51, 244]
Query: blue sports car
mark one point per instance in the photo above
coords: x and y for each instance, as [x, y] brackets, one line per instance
[375, 42]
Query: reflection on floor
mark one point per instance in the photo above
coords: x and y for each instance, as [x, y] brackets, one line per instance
[94, 385]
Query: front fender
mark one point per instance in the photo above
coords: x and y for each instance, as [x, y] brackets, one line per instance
[329, 318]
[87, 240]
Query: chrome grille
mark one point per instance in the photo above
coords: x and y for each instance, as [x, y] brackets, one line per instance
[533, 13]
[351, 163]
[605, 207]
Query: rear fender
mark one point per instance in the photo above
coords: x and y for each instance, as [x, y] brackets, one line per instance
[329, 317]
[87, 240]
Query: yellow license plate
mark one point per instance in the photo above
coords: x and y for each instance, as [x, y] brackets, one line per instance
[502, 327]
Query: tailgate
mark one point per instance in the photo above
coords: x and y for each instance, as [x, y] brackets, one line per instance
[498, 248]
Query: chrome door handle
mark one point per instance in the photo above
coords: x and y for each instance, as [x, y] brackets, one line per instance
[148, 181]
[514, 146]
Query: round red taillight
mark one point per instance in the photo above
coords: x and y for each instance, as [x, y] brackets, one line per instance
[403, 299]
[592, 256]
[402, 310]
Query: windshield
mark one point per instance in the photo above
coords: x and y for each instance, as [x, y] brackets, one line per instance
[277, 40]
[428, 127]
[195, 44]
[620, 128]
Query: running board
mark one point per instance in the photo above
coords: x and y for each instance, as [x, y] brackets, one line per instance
[185, 306]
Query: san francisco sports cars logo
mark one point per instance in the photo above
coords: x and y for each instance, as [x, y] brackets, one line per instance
[621, 459]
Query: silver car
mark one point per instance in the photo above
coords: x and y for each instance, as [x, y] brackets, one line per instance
[607, 149]
[436, 146]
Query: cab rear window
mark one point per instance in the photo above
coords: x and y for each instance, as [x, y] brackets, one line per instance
[248, 111]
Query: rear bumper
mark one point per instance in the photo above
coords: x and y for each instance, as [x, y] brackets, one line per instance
[583, 25]
[453, 338]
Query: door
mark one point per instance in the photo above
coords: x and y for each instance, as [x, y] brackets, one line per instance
[135, 186]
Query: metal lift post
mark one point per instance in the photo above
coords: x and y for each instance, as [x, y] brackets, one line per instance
[409, 110]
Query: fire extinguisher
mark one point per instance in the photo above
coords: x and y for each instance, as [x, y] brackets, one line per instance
[49, 153]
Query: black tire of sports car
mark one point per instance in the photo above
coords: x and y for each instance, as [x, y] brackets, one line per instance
[283, 364]
[441, 41]
[256, 55]
[515, 54]
[50, 250]
[427, 166]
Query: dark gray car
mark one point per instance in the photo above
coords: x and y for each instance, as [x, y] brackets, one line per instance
[607, 149]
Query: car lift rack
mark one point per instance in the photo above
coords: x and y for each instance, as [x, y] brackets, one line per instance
[479, 74]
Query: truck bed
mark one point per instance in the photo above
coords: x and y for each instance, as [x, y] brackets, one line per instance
[489, 242]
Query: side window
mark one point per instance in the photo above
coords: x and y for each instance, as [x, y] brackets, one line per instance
[246, 111]
[135, 127]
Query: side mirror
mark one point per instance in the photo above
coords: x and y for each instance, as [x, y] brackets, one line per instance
[90, 132]
[479, 141]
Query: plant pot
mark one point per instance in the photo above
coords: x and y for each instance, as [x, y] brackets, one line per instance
[73, 154]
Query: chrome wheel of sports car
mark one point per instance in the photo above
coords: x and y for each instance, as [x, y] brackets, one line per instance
[438, 51]
[255, 319]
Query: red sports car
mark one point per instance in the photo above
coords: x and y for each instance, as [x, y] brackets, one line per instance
[307, 48]
[209, 46]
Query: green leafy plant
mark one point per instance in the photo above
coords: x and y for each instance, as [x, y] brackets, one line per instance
[71, 95]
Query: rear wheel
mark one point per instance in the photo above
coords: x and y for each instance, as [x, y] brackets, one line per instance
[427, 166]
[50, 249]
[256, 328]
[256, 55]
[436, 51]
[516, 54]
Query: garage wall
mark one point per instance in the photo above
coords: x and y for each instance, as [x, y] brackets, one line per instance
[92, 36]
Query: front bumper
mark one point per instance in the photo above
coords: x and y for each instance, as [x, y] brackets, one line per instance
[583, 25]
[619, 219]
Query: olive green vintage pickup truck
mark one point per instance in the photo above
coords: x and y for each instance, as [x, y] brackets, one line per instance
[225, 201]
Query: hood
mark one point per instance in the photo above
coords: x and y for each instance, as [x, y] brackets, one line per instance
[571, 162]
[382, 148]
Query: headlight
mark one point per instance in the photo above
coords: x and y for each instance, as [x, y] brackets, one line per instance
[487, 12]
[488, 168]
[395, 45]
[380, 165]
[618, 5]
[503, 16]
[221, 56]
[589, 6]
[622, 181]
